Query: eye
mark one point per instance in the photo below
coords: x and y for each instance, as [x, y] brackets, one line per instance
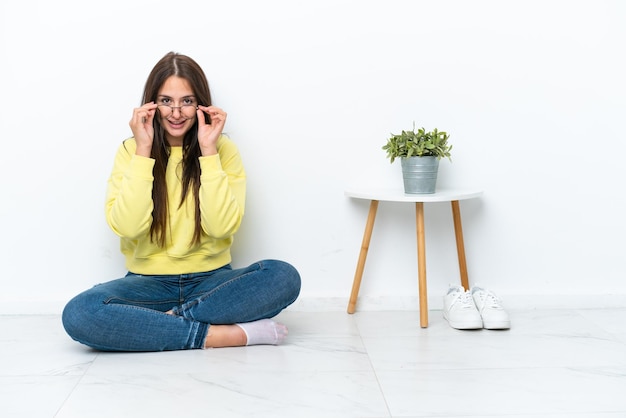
[189, 101]
[165, 101]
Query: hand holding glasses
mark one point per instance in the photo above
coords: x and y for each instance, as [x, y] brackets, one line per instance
[209, 127]
[209, 133]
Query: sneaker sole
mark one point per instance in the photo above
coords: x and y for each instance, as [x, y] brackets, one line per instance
[464, 324]
[497, 325]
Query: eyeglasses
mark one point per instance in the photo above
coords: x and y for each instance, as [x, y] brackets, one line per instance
[187, 108]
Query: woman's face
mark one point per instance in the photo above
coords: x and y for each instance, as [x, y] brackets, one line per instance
[177, 109]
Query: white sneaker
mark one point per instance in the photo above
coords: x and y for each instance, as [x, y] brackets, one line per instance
[493, 314]
[459, 309]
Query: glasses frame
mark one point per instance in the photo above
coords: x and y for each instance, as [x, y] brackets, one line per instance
[180, 108]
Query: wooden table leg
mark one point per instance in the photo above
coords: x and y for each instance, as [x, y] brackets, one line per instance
[421, 263]
[367, 235]
[460, 246]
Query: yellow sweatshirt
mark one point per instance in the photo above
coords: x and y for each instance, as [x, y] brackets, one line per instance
[222, 199]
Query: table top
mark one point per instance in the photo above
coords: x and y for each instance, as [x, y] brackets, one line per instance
[398, 195]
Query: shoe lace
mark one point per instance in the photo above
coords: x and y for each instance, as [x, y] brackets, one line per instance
[465, 300]
[492, 301]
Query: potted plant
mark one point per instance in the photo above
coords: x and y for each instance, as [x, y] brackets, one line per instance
[419, 152]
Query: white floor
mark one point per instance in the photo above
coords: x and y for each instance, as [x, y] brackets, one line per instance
[558, 363]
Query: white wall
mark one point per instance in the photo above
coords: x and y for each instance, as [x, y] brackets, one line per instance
[532, 92]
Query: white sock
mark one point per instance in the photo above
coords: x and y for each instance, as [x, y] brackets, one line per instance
[264, 331]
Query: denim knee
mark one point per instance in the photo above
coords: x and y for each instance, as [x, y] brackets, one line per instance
[75, 317]
[289, 277]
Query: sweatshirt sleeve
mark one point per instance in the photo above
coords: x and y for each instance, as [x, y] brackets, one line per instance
[222, 190]
[129, 193]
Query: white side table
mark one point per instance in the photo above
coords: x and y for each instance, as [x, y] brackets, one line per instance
[397, 195]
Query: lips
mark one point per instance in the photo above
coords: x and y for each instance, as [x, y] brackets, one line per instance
[177, 124]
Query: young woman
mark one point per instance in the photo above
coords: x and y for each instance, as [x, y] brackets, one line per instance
[176, 198]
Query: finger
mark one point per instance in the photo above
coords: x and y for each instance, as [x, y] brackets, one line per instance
[216, 111]
[218, 116]
[140, 116]
[221, 117]
[201, 118]
[147, 107]
[213, 111]
[149, 116]
[209, 108]
[150, 109]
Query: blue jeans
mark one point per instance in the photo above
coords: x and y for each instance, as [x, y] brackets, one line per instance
[128, 314]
